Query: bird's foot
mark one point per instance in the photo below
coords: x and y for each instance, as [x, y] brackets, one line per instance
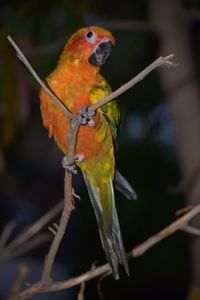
[79, 158]
[87, 116]
[69, 167]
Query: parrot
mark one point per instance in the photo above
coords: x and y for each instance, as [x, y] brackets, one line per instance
[77, 82]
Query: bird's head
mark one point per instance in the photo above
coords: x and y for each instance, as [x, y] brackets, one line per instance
[91, 45]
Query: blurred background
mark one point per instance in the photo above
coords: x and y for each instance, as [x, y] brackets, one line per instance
[159, 149]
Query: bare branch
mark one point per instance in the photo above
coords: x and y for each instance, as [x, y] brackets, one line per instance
[161, 61]
[191, 230]
[68, 204]
[21, 277]
[99, 285]
[29, 245]
[6, 233]
[81, 291]
[56, 100]
[179, 224]
[32, 230]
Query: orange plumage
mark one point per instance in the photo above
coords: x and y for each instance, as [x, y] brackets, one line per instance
[76, 82]
[72, 81]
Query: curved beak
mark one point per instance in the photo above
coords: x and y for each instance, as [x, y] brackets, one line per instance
[100, 53]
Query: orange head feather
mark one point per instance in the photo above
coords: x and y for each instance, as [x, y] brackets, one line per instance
[89, 46]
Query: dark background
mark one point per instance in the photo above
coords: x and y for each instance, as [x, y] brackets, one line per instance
[31, 176]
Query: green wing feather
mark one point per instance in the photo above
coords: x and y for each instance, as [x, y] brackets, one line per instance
[109, 111]
[111, 114]
[99, 175]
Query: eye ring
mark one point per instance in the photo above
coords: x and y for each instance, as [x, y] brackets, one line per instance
[90, 37]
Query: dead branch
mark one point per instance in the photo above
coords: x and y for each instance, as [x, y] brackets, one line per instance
[24, 60]
[6, 233]
[34, 228]
[68, 203]
[191, 230]
[21, 277]
[179, 224]
[25, 240]
[81, 291]
[36, 241]
[161, 61]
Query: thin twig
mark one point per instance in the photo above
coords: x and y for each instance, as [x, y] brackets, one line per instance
[99, 285]
[161, 61]
[191, 230]
[56, 100]
[81, 291]
[21, 277]
[6, 233]
[36, 241]
[184, 210]
[136, 252]
[34, 228]
[178, 224]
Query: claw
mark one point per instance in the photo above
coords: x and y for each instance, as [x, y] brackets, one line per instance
[79, 157]
[87, 116]
[71, 168]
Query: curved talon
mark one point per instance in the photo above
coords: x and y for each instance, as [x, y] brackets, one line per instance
[70, 167]
[87, 116]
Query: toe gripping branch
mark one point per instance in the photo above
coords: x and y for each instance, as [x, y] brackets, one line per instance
[71, 167]
[87, 116]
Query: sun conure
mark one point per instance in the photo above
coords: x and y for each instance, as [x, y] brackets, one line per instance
[77, 82]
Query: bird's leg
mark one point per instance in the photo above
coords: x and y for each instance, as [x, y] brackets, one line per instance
[70, 167]
[87, 116]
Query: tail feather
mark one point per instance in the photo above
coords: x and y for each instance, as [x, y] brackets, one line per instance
[117, 234]
[109, 229]
[123, 186]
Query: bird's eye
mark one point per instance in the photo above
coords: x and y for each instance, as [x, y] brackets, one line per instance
[90, 37]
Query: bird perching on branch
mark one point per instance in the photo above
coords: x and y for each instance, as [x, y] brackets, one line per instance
[77, 83]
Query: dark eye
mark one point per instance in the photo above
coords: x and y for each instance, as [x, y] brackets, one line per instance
[90, 37]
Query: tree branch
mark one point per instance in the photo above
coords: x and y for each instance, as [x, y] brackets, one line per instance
[191, 230]
[161, 61]
[68, 204]
[56, 100]
[21, 277]
[179, 224]
[32, 230]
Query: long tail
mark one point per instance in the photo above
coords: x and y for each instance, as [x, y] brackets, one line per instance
[103, 201]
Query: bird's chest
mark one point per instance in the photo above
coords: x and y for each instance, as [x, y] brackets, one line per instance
[75, 93]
